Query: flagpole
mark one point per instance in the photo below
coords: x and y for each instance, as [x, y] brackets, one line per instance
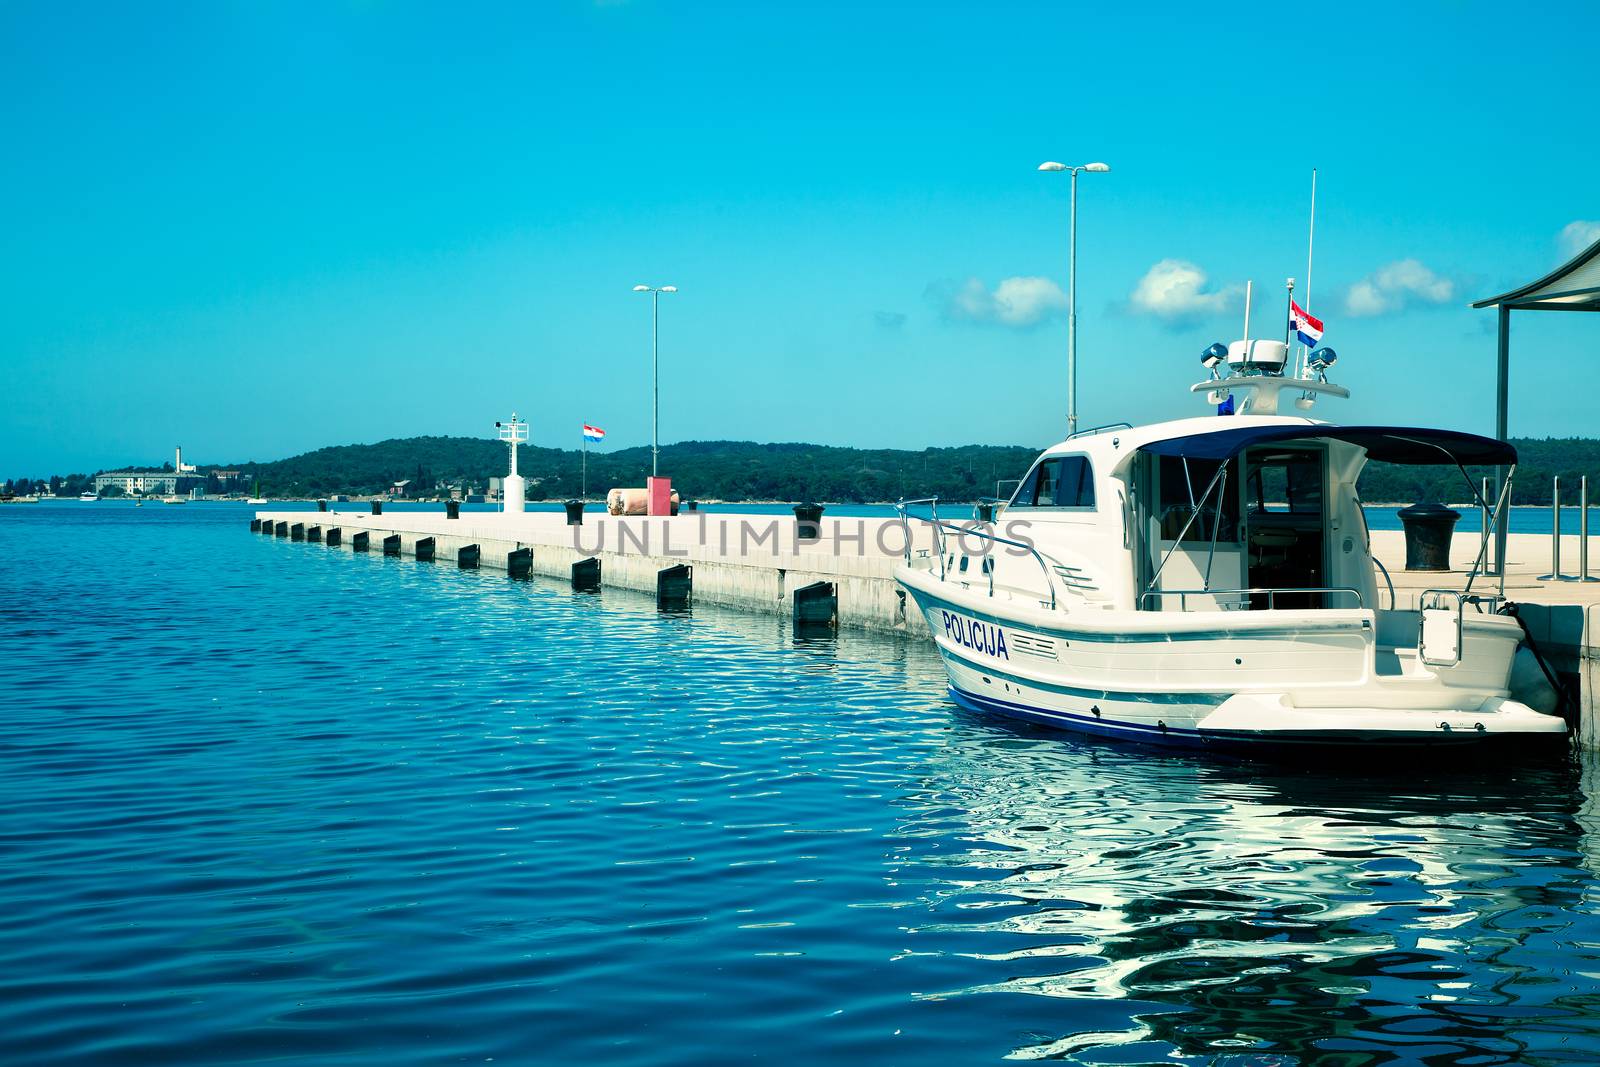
[1311, 238]
[583, 491]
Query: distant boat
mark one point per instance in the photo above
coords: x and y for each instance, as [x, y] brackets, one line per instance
[87, 497]
[173, 500]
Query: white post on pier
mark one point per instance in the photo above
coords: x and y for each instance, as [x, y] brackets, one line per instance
[513, 433]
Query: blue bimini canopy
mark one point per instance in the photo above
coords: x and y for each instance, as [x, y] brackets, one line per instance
[1388, 444]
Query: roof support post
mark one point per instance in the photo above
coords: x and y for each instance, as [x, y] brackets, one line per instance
[1501, 389]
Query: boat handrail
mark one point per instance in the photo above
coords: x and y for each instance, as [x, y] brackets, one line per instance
[1386, 577]
[1039, 557]
[974, 530]
[1091, 431]
[1271, 594]
[905, 527]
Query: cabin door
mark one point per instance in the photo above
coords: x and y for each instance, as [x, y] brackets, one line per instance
[1284, 523]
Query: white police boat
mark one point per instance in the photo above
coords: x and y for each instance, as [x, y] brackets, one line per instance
[1210, 582]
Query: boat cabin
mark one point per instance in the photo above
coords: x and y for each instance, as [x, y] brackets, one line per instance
[1249, 511]
[1240, 513]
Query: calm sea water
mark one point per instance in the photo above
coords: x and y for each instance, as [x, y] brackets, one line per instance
[262, 802]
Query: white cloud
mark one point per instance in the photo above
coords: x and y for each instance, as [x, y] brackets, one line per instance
[1578, 235]
[1178, 291]
[1016, 302]
[1395, 287]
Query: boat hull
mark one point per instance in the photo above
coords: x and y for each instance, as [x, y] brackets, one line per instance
[1238, 680]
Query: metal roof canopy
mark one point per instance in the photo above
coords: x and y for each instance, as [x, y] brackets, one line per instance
[1573, 286]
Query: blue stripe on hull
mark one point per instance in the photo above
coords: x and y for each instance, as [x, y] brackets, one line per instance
[1277, 741]
[1083, 723]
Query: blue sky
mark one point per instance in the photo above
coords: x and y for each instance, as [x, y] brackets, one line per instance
[254, 229]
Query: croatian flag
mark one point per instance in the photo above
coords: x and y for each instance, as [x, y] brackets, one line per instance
[1308, 329]
[593, 433]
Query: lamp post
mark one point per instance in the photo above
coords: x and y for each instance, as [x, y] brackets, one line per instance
[1072, 289]
[655, 368]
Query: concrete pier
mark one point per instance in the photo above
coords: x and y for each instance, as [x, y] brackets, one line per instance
[762, 563]
[756, 562]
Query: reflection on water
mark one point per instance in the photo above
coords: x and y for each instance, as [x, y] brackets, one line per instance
[1431, 917]
[265, 802]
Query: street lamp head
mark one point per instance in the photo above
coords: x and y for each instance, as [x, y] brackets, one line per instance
[641, 288]
[1096, 168]
[1052, 166]
[669, 289]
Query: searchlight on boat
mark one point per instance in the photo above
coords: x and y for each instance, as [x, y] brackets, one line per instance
[1257, 370]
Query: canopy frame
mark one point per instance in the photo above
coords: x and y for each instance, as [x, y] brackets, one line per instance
[1573, 286]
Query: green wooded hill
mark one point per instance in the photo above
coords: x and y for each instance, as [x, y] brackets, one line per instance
[745, 470]
[706, 470]
[1538, 459]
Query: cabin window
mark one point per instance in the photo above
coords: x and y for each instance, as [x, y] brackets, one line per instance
[1057, 482]
[1182, 492]
[1076, 487]
[1045, 482]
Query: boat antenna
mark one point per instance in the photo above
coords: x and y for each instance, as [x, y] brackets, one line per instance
[1311, 237]
[1247, 288]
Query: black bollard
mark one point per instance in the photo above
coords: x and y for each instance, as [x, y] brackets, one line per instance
[377, 507]
[808, 521]
[1428, 529]
[452, 509]
[322, 505]
[574, 512]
